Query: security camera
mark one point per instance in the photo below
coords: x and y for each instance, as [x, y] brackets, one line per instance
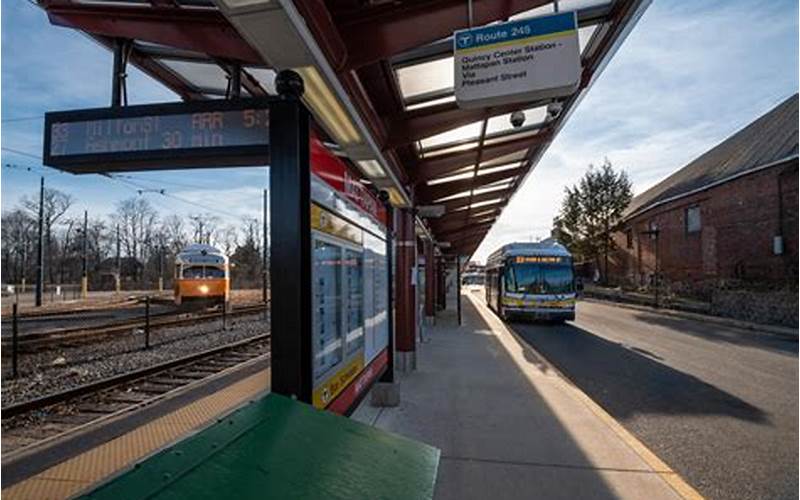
[554, 110]
[517, 119]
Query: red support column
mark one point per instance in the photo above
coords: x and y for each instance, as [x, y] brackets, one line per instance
[405, 300]
[430, 283]
[441, 289]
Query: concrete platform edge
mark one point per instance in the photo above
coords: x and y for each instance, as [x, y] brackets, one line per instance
[672, 478]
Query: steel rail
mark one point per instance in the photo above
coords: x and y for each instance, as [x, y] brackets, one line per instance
[107, 383]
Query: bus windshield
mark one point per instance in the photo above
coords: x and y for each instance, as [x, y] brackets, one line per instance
[539, 278]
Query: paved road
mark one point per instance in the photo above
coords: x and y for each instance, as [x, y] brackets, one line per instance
[718, 404]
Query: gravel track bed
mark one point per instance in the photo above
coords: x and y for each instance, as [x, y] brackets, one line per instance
[48, 372]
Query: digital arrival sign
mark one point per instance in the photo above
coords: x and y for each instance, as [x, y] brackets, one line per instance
[517, 61]
[217, 133]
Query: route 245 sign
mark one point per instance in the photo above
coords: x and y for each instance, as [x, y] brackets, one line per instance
[517, 61]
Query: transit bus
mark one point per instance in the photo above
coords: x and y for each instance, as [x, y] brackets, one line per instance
[202, 276]
[531, 280]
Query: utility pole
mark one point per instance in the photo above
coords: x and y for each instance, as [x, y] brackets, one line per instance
[85, 276]
[119, 264]
[161, 266]
[40, 249]
[265, 256]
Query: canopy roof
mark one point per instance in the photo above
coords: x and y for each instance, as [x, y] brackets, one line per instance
[394, 62]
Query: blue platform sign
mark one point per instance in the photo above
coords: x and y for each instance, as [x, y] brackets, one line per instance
[517, 61]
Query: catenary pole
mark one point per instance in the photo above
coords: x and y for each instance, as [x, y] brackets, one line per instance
[40, 248]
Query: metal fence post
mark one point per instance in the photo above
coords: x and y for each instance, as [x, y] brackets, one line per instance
[147, 322]
[14, 341]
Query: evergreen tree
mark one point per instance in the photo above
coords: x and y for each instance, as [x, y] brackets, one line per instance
[591, 211]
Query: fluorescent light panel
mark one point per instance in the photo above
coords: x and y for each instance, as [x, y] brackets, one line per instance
[327, 107]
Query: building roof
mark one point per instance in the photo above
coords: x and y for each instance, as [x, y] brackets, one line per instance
[767, 140]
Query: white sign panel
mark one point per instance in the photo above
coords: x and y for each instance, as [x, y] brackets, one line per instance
[518, 61]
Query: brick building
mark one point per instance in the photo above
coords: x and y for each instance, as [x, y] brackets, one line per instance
[727, 219]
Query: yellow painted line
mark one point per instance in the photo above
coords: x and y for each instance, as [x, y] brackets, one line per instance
[77, 474]
[672, 478]
[518, 41]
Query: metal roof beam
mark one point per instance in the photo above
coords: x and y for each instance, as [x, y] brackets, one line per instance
[198, 30]
[447, 164]
[464, 202]
[411, 126]
[387, 30]
[428, 193]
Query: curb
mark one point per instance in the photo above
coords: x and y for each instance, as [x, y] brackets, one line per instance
[760, 329]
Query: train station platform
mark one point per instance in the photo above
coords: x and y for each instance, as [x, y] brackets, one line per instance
[509, 425]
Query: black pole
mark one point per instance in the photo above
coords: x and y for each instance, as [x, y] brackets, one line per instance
[116, 77]
[265, 230]
[161, 251]
[14, 341]
[147, 322]
[40, 249]
[458, 288]
[236, 81]
[224, 315]
[85, 243]
[290, 276]
[119, 261]
[85, 275]
[388, 375]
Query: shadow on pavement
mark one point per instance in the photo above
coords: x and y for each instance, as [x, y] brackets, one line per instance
[721, 333]
[626, 382]
[498, 436]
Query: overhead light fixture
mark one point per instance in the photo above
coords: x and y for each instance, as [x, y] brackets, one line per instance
[396, 198]
[444, 244]
[372, 169]
[430, 211]
[327, 107]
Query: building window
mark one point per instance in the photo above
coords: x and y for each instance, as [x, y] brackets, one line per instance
[629, 238]
[693, 223]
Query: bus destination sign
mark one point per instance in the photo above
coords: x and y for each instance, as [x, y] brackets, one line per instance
[176, 135]
[539, 259]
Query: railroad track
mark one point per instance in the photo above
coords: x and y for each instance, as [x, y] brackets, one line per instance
[68, 337]
[34, 423]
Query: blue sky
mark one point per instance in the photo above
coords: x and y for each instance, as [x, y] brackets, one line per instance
[689, 75]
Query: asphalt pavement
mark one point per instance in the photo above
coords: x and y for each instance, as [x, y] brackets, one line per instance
[717, 403]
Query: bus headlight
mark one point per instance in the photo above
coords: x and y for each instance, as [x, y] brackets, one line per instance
[203, 289]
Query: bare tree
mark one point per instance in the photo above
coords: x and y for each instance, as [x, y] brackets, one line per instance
[56, 203]
[203, 226]
[174, 230]
[227, 238]
[136, 218]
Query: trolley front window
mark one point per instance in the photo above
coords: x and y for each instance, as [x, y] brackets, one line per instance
[200, 272]
[539, 278]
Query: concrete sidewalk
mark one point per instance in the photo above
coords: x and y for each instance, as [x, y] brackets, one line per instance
[510, 426]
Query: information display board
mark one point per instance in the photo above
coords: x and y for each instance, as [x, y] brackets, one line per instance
[349, 306]
[517, 61]
[197, 134]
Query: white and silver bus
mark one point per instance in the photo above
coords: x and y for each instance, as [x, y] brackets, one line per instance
[531, 280]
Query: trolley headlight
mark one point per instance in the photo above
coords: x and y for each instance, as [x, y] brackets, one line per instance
[203, 289]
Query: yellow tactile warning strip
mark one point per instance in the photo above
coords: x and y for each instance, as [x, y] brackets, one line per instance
[672, 478]
[78, 473]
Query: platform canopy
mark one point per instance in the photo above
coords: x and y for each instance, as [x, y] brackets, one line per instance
[379, 81]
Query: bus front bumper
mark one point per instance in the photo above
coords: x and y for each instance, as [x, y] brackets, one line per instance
[543, 313]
